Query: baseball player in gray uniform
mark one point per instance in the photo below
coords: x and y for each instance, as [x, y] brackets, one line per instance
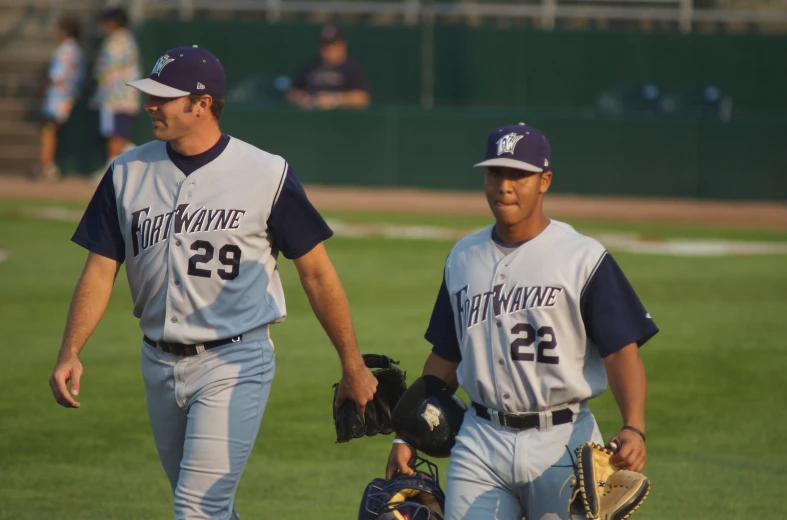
[532, 320]
[200, 218]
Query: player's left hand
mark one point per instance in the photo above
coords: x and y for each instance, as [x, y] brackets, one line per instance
[68, 368]
[632, 454]
[328, 100]
[359, 385]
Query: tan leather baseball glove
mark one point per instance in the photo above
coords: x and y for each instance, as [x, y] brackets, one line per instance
[603, 491]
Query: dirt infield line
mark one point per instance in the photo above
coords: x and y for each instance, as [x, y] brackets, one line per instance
[759, 215]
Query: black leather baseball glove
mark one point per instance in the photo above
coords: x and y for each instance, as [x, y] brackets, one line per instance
[391, 385]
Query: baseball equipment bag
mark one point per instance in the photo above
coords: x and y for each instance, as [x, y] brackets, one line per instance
[429, 416]
[405, 497]
[603, 491]
[391, 385]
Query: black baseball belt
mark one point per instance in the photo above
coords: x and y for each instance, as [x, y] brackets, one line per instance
[183, 350]
[519, 421]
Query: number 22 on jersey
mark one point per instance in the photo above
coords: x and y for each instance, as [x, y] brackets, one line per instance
[527, 335]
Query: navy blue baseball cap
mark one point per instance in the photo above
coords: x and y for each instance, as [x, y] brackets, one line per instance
[183, 71]
[331, 34]
[518, 146]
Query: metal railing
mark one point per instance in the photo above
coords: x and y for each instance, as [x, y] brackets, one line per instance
[683, 13]
[548, 12]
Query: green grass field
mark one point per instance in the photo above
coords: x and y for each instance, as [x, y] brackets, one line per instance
[717, 427]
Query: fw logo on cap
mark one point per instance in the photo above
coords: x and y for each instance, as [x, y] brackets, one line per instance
[161, 63]
[507, 143]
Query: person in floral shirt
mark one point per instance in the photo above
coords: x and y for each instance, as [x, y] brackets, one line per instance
[117, 63]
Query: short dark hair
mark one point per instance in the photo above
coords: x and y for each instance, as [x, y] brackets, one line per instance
[115, 14]
[216, 108]
[331, 34]
[69, 25]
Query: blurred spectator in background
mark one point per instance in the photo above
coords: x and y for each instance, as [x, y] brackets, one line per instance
[63, 83]
[333, 80]
[117, 63]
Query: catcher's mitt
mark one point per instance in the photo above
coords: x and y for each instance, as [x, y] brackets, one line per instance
[601, 490]
[391, 385]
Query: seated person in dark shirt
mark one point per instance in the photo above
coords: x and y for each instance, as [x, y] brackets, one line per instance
[331, 81]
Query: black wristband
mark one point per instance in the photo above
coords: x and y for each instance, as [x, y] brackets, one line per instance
[635, 430]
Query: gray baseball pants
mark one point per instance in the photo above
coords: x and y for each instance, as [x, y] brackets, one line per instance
[498, 473]
[205, 412]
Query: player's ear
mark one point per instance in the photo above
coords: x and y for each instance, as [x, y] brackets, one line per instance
[546, 182]
[204, 104]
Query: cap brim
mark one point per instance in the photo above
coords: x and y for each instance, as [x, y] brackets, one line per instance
[511, 163]
[154, 88]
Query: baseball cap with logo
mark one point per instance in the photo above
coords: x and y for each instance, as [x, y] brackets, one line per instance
[518, 146]
[183, 71]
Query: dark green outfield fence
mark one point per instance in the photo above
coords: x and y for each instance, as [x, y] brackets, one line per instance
[501, 67]
[408, 146]
[436, 149]
[486, 78]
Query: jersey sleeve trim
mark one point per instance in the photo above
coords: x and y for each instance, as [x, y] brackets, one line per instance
[310, 243]
[441, 332]
[98, 248]
[592, 273]
[440, 351]
[281, 183]
[442, 355]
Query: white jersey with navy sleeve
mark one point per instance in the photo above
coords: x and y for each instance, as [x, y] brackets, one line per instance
[530, 323]
[221, 278]
[200, 236]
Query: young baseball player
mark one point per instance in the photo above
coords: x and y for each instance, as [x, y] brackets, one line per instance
[532, 319]
[200, 218]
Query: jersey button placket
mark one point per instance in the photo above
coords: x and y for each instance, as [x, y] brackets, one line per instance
[497, 339]
[171, 306]
[501, 374]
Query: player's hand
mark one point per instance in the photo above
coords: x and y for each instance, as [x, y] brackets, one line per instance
[67, 369]
[632, 454]
[328, 100]
[399, 461]
[358, 385]
[306, 102]
[300, 98]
